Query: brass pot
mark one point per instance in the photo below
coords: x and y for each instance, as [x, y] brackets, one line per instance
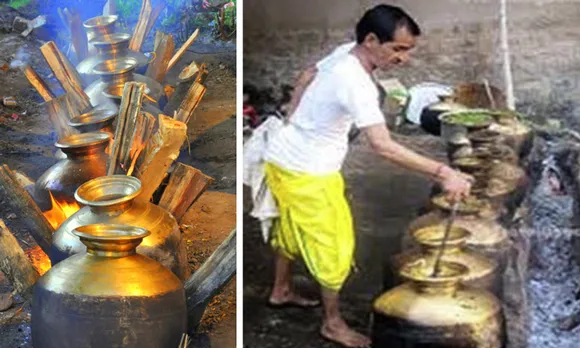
[113, 75]
[486, 235]
[85, 160]
[112, 46]
[112, 199]
[99, 26]
[110, 296]
[436, 312]
[482, 272]
[96, 120]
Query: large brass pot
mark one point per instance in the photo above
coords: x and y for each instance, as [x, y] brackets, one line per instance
[436, 312]
[85, 159]
[112, 199]
[482, 272]
[110, 296]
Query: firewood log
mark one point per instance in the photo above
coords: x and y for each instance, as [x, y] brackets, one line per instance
[164, 48]
[127, 127]
[162, 149]
[19, 200]
[67, 75]
[190, 103]
[181, 51]
[210, 279]
[37, 82]
[14, 263]
[186, 185]
[140, 33]
[185, 79]
[60, 111]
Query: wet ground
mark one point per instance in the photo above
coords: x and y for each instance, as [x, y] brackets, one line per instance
[26, 145]
[384, 199]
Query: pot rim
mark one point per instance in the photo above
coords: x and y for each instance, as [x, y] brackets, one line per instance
[126, 188]
[92, 117]
[484, 125]
[129, 62]
[112, 232]
[110, 39]
[430, 236]
[96, 23]
[81, 140]
[453, 273]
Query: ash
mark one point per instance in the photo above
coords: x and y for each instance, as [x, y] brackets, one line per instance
[553, 272]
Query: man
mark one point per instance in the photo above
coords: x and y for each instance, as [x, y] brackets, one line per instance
[304, 158]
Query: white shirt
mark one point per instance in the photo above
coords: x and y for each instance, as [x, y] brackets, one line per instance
[316, 139]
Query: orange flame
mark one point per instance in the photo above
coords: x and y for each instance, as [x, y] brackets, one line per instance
[59, 211]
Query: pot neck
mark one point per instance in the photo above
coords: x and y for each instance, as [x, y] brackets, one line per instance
[433, 250]
[110, 240]
[114, 49]
[83, 145]
[110, 195]
[100, 26]
[449, 288]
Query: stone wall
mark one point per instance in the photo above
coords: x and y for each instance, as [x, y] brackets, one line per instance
[460, 43]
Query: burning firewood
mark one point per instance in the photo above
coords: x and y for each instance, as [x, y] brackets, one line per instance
[37, 83]
[129, 122]
[140, 32]
[14, 263]
[19, 200]
[177, 56]
[60, 111]
[67, 75]
[164, 47]
[162, 149]
[190, 103]
[209, 279]
[186, 185]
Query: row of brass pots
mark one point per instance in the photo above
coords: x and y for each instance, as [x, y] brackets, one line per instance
[80, 178]
[115, 64]
[457, 308]
[482, 271]
[110, 296]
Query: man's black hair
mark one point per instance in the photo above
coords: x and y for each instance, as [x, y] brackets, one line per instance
[383, 21]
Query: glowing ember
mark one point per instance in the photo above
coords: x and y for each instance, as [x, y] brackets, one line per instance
[60, 211]
[39, 260]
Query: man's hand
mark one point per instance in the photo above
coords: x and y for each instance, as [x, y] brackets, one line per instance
[456, 185]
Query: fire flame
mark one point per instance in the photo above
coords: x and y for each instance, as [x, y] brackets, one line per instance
[59, 211]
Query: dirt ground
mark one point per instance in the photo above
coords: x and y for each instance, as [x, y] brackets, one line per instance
[26, 145]
[384, 199]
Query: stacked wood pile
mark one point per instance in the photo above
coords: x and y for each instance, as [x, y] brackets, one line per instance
[145, 146]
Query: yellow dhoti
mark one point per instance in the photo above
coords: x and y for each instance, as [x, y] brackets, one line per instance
[315, 223]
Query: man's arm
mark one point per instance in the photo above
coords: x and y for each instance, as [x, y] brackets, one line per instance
[303, 81]
[452, 181]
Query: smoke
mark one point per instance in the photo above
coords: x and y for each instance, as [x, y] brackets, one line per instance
[20, 58]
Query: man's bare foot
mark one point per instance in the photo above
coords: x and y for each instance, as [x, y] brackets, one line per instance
[339, 332]
[291, 299]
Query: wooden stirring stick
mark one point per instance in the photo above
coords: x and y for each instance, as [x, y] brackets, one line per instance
[437, 268]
